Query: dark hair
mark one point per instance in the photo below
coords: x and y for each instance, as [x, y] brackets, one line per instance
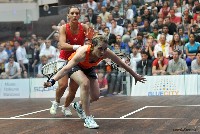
[144, 52]
[71, 8]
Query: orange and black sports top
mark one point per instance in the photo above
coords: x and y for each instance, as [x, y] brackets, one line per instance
[86, 64]
[73, 39]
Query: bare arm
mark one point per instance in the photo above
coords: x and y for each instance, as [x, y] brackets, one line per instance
[116, 59]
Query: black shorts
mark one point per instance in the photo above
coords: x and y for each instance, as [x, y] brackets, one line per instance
[88, 72]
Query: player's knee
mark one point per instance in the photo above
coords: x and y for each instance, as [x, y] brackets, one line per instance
[85, 84]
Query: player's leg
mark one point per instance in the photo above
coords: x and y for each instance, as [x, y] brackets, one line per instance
[70, 97]
[62, 85]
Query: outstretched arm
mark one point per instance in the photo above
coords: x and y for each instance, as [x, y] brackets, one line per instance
[116, 59]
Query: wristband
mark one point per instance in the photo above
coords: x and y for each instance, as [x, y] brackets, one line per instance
[52, 81]
[75, 47]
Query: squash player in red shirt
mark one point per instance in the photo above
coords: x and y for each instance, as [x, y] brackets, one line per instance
[72, 36]
[81, 69]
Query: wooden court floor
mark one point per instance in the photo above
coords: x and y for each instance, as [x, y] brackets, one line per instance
[115, 115]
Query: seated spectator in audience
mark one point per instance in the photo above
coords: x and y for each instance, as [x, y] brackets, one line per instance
[134, 32]
[173, 18]
[103, 83]
[91, 16]
[177, 65]
[98, 24]
[44, 61]
[115, 13]
[135, 55]
[3, 58]
[138, 41]
[13, 69]
[165, 31]
[104, 14]
[195, 67]
[149, 48]
[111, 37]
[159, 64]
[146, 29]
[9, 48]
[144, 66]
[124, 47]
[170, 25]
[17, 36]
[155, 32]
[4, 75]
[184, 37]
[49, 51]
[192, 48]
[165, 9]
[21, 55]
[177, 44]
[162, 46]
[116, 29]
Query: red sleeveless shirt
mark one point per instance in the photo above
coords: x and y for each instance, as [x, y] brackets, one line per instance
[73, 39]
[86, 64]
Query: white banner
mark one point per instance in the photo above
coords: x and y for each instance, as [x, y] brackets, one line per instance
[14, 88]
[160, 86]
[38, 91]
[191, 84]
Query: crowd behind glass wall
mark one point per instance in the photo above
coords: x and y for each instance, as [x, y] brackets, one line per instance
[152, 37]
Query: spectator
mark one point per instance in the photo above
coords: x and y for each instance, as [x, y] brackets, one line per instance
[91, 16]
[195, 67]
[165, 31]
[171, 27]
[173, 18]
[44, 61]
[13, 69]
[104, 14]
[149, 48]
[4, 75]
[3, 58]
[162, 46]
[111, 37]
[144, 66]
[17, 36]
[8, 48]
[49, 51]
[165, 9]
[98, 24]
[92, 4]
[177, 44]
[116, 29]
[159, 64]
[177, 65]
[36, 58]
[183, 36]
[192, 48]
[103, 83]
[22, 56]
[55, 40]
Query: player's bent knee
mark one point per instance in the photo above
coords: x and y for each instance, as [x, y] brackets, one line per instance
[85, 84]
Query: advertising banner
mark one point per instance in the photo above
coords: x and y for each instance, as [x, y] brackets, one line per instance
[38, 91]
[14, 88]
[161, 86]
